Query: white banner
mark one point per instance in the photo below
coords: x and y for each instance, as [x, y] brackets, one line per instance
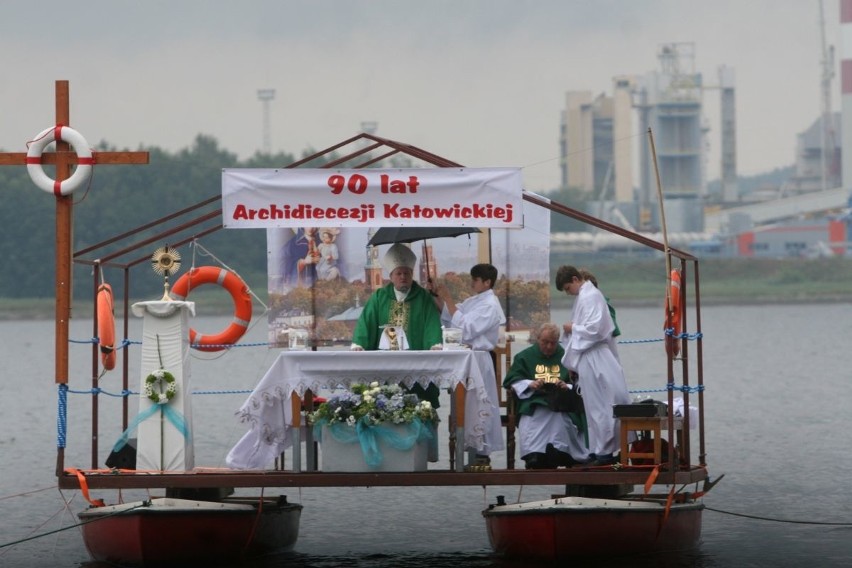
[426, 197]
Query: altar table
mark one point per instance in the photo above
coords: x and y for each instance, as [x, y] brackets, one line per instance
[269, 408]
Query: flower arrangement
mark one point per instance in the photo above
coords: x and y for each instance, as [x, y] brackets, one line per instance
[373, 404]
[166, 386]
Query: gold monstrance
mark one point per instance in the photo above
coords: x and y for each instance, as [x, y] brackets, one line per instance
[165, 261]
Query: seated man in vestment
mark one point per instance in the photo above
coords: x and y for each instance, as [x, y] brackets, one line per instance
[400, 315]
[551, 430]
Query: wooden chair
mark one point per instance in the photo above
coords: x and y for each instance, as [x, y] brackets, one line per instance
[502, 357]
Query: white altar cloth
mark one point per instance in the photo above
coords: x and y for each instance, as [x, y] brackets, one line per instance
[268, 409]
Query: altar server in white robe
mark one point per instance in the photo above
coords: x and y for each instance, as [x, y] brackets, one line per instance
[590, 352]
[479, 317]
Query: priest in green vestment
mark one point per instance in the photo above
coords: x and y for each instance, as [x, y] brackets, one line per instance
[401, 304]
[548, 403]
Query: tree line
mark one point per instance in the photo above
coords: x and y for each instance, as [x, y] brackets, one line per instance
[119, 198]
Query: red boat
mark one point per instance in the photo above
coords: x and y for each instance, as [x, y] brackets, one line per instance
[579, 526]
[167, 530]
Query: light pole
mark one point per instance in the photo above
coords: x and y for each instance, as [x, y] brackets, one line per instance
[265, 96]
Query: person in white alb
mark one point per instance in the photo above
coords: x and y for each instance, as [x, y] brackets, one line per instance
[590, 352]
[479, 317]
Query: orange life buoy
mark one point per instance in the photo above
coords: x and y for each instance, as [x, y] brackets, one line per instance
[239, 294]
[106, 326]
[674, 315]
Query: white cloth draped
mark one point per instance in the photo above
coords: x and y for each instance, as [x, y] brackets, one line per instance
[165, 345]
[268, 410]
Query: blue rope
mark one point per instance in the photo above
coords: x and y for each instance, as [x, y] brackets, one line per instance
[229, 345]
[62, 416]
[686, 388]
[97, 340]
[669, 331]
[681, 388]
[126, 393]
[246, 391]
[625, 341]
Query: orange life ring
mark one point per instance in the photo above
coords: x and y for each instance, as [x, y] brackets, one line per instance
[239, 294]
[106, 326]
[674, 315]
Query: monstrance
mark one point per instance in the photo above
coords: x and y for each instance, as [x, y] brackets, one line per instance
[165, 261]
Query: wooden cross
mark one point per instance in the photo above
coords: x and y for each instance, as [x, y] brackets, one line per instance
[64, 159]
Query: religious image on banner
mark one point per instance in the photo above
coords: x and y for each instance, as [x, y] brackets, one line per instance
[319, 278]
[524, 284]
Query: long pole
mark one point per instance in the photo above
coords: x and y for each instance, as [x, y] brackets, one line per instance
[667, 251]
[670, 353]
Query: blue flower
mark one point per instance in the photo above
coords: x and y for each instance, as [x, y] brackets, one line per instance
[373, 404]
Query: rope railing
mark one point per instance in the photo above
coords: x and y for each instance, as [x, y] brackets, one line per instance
[127, 342]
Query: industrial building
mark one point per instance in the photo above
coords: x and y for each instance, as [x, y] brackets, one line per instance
[606, 152]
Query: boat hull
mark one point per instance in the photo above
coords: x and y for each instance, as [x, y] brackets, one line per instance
[576, 526]
[174, 531]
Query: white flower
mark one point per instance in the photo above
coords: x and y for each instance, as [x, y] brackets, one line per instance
[374, 385]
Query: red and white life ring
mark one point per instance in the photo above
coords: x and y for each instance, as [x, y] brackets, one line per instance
[84, 160]
[239, 294]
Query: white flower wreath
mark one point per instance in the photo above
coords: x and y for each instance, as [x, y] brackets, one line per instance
[166, 386]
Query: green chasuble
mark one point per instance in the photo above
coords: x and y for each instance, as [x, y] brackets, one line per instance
[419, 318]
[532, 364]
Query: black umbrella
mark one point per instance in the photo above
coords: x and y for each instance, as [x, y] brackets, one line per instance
[388, 235]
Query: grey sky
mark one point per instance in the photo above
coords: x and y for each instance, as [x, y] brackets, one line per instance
[479, 82]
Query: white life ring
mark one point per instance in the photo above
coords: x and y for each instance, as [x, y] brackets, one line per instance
[84, 160]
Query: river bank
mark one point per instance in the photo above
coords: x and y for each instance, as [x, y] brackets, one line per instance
[626, 283]
[44, 308]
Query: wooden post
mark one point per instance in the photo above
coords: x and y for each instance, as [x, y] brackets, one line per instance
[460, 395]
[296, 430]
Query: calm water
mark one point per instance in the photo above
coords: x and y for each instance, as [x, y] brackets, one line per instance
[779, 427]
